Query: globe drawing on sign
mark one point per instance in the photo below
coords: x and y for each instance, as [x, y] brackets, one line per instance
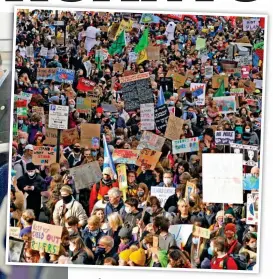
[63, 76]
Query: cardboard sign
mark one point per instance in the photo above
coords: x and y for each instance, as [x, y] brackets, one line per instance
[232, 71]
[178, 80]
[251, 24]
[185, 145]
[174, 128]
[147, 116]
[181, 234]
[252, 209]
[190, 189]
[201, 232]
[217, 80]
[64, 75]
[118, 67]
[122, 176]
[85, 85]
[198, 93]
[250, 153]
[148, 158]
[90, 135]
[51, 136]
[222, 181]
[162, 193]
[84, 105]
[161, 118]
[14, 232]
[248, 85]
[226, 104]
[125, 156]
[47, 237]
[134, 77]
[208, 71]
[151, 141]
[239, 92]
[86, 175]
[153, 53]
[224, 137]
[43, 155]
[70, 136]
[58, 117]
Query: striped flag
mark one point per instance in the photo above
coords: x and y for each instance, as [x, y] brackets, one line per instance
[108, 160]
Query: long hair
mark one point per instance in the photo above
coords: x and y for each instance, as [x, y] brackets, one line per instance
[79, 245]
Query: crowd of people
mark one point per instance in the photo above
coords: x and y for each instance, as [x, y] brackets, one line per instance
[103, 224]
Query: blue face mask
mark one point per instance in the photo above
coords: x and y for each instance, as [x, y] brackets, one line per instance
[171, 103]
[94, 153]
[210, 251]
[94, 233]
[100, 250]
[195, 241]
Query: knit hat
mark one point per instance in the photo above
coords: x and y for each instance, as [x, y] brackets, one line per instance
[30, 167]
[230, 227]
[219, 214]
[29, 147]
[125, 233]
[99, 110]
[125, 255]
[66, 190]
[106, 171]
[138, 257]
[230, 211]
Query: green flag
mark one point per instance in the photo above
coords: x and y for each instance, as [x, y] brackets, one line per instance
[118, 45]
[221, 90]
[143, 42]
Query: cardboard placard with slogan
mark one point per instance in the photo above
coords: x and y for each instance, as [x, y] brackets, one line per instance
[90, 135]
[125, 156]
[225, 104]
[174, 128]
[153, 53]
[43, 155]
[148, 158]
[201, 232]
[86, 85]
[178, 80]
[198, 93]
[118, 67]
[14, 232]
[86, 175]
[46, 237]
[84, 105]
[151, 141]
[185, 145]
[162, 193]
[50, 136]
[239, 92]
[70, 136]
[216, 81]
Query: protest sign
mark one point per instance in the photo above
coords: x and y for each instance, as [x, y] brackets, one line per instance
[217, 80]
[239, 92]
[47, 237]
[133, 57]
[64, 75]
[30, 51]
[122, 176]
[252, 208]
[86, 175]
[148, 158]
[178, 80]
[243, 60]
[190, 189]
[147, 116]
[25, 96]
[166, 83]
[43, 155]
[84, 105]
[226, 104]
[208, 71]
[162, 193]
[245, 72]
[258, 83]
[250, 24]
[22, 111]
[151, 141]
[198, 93]
[16, 249]
[185, 145]
[161, 118]
[125, 156]
[86, 85]
[14, 232]
[43, 51]
[118, 67]
[222, 181]
[200, 43]
[224, 137]
[248, 85]
[58, 117]
[250, 153]
[146, 18]
[90, 135]
[70, 136]
[153, 53]
[174, 128]
[250, 182]
[46, 73]
[181, 234]
[50, 136]
[201, 232]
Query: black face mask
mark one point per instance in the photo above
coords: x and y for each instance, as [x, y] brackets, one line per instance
[140, 194]
[67, 199]
[77, 150]
[228, 220]
[62, 173]
[191, 203]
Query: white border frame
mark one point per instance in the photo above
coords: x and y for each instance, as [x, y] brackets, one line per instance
[261, 144]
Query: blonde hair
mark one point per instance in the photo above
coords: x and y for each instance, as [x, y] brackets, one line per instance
[28, 216]
[94, 220]
[54, 169]
[107, 241]
[115, 221]
[79, 245]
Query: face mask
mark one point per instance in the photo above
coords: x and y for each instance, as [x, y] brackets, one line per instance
[253, 245]
[23, 141]
[72, 247]
[191, 203]
[13, 173]
[167, 181]
[71, 106]
[171, 103]
[228, 220]
[71, 232]
[94, 153]
[67, 199]
[100, 250]
[128, 210]
[20, 121]
[76, 149]
[31, 173]
[211, 251]
[21, 83]
[140, 194]
[247, 130]
[195, 240]
[95, 233]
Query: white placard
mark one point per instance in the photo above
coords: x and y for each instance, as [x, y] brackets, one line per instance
[58, 117]
[147, 116]
[181, 233]
[250, 24]
[185, 145]
[43, 51]
[162, 193]
[222, 178]
[224, 137]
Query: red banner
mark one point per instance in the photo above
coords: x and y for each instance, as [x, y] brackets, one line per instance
[85, 85]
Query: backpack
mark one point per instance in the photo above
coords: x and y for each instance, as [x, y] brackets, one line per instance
[239, 259]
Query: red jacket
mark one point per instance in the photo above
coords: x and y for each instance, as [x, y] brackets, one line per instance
[217, 263]
[103, 190]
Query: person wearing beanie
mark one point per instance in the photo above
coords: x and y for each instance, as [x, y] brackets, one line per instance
[232, 244]
[126, 239]
[124, 256]
[32, 184]
[137, 258]
[217, 229]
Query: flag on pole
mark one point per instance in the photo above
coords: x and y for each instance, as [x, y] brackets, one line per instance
[161, 98]
[143, 42]
[118, 45]
[108, 160]
[221, 90]
[142, 56]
